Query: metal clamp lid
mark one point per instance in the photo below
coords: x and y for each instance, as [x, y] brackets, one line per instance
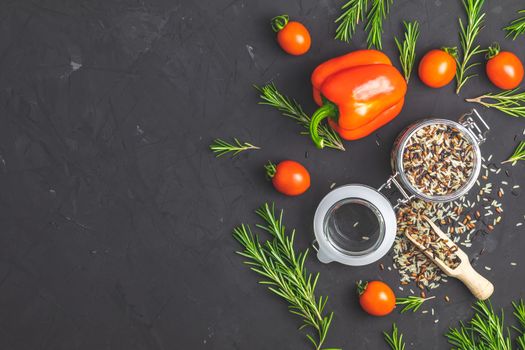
[388, 184]
[476, 124]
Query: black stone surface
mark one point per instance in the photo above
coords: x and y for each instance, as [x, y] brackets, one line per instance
[116, 219]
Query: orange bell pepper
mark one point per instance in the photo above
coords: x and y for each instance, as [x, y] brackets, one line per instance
[359, 92]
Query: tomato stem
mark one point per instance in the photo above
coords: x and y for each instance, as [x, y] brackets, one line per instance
[361, 287]
[452, 51]
[492, 51]
[271, 169]
[279, 22]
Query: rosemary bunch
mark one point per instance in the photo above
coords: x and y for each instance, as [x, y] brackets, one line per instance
[467, 36]
[353, 12]
[284, 272]
[221, 147]
[395, 340]
[272, 97]
[511, 102]
[484, 331]
[519, 154]
[412, 302]
[407, 48]
[374, 24]
[516, 27]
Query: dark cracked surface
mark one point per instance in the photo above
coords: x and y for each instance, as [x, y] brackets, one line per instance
[115, 217]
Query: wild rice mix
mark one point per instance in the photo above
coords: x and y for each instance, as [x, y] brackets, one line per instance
[421, 231]
[438, 160]
[463, 220]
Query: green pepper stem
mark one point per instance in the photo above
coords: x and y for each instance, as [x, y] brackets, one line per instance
[279, 22]
[325, 111]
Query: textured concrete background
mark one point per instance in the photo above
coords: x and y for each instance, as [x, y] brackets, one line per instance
[115, 218]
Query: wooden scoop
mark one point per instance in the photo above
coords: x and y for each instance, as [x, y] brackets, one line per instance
[480, 287]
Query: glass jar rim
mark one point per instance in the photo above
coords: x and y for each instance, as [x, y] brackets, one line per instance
[377, 214]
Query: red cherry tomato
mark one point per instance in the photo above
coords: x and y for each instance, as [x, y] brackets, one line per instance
[289, 177]
[376, 298]
[293, 37]
[504, 68]
[437, 68]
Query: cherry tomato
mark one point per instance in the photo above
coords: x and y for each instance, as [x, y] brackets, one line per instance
[293, 37]
[376, 298]
[289, 177]
[504, 68]
[437, 68]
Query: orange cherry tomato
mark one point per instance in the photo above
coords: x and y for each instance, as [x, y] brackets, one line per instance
[376, 298]
[437, 68]
[504, 68]
[289, 177]
[293, 37]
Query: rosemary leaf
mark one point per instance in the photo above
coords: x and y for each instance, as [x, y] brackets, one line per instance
[520, 340]
[284, 273]
[374, 25]
[519, 154]
[407, 48]
[519, 312]
[395, 340]
[290, 108]
[412, 302]
[221, 147]
[353, 13]
[511, 102]
[467, 37]
[516, 27]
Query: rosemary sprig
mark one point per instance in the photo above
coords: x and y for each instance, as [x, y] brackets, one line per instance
[221, 147]
[407, 48]
[511, 102]
[519, 154]
[395, 340]
[374, 24]
[467, 36]
[412, 302]
[353, 12]
[519, 313]
[484, 331]
[284, 272]
[516, 27]
[272, 97]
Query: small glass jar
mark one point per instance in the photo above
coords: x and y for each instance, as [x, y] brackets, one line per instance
[339, 234]
[356, 224]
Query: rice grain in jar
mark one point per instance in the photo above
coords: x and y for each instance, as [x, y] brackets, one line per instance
[438, 160]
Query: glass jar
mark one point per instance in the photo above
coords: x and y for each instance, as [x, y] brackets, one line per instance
[356, 224]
